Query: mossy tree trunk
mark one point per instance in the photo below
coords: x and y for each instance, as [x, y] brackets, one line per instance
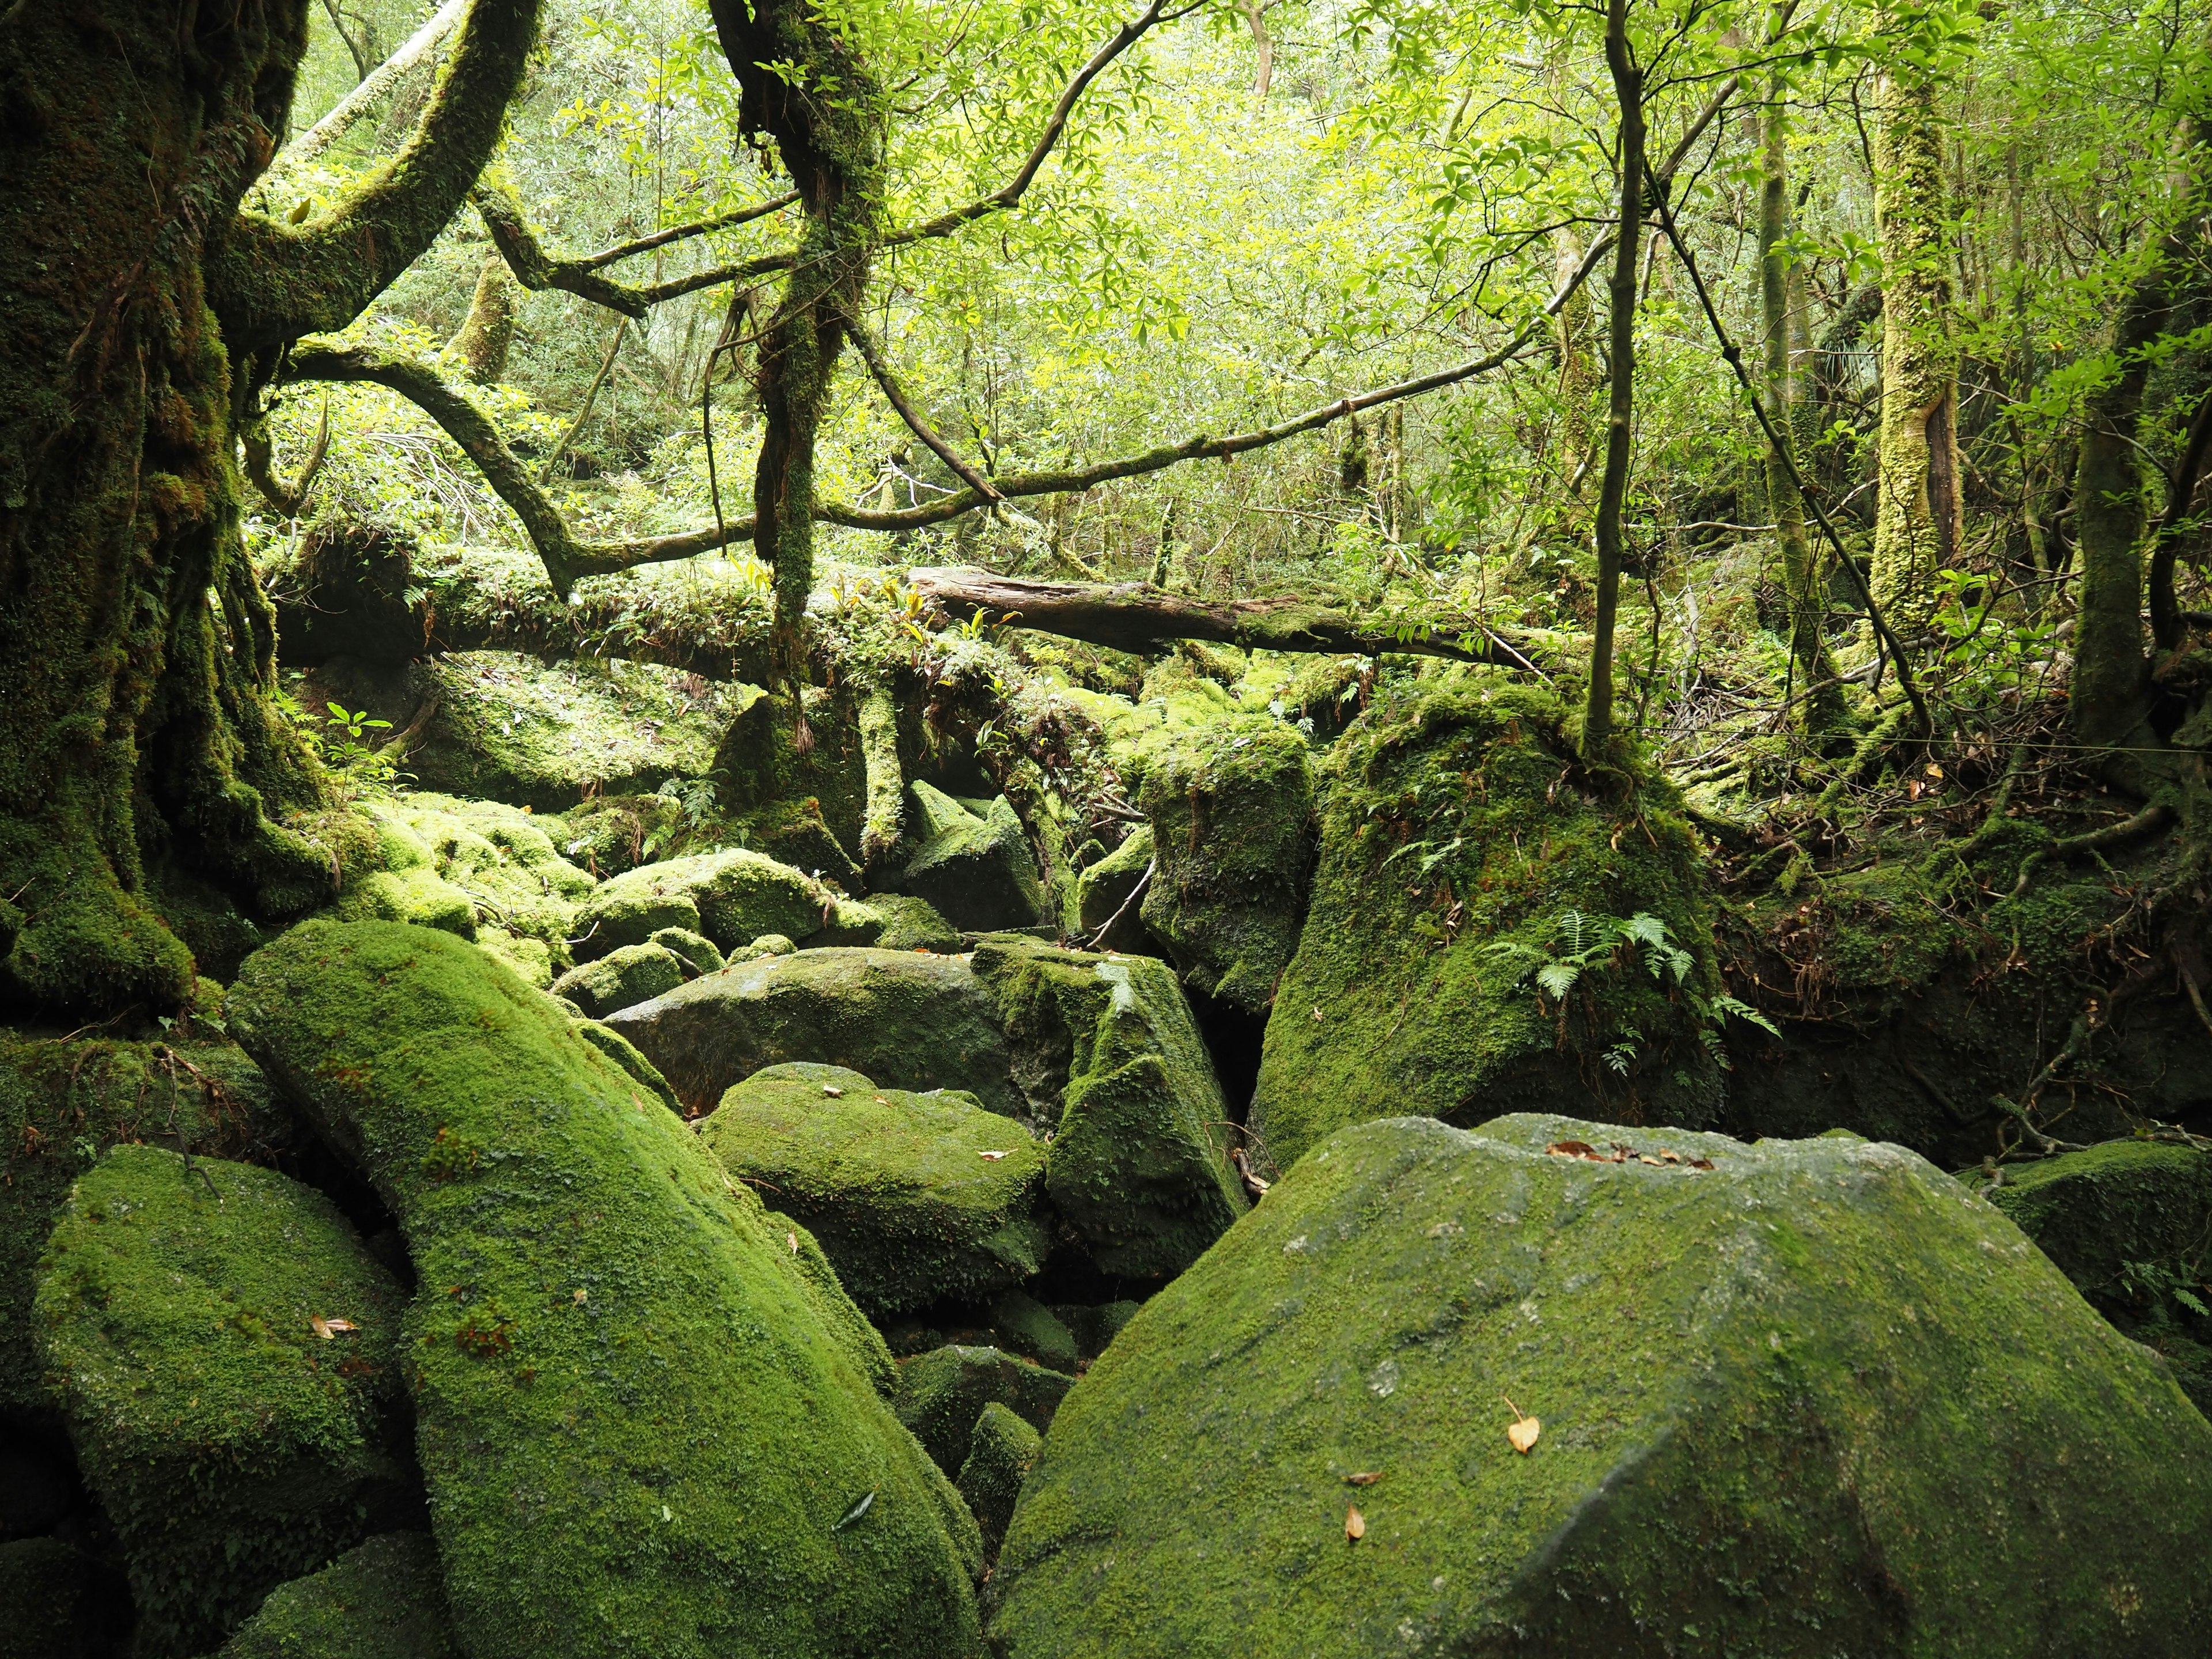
[1823, 701]
[782, 53]
[143, 309]
[1919, 520]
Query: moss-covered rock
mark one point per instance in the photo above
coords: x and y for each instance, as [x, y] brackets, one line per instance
[621, 1050]
[1464, 853]
[794, 832]
[1001, 1449]
[522, 892]
[1106, 1050]
[915, 1198]
[233, 1433]
[864, 1345]
[764, 771]
[915, 1021]
[416, 894]
[901, 922]
[1023, 1324]
[943, 1392]
[63, 1102]
[618, 1366]
[627, 975]
[1103, 891]
[2130, 1223]
[1814, 1399]
[381, 1599]
[732, 897]
[1094, 1328]
[1230, 815]
[609, 835]
[698, 953]
[974, 869]
[50, 1601]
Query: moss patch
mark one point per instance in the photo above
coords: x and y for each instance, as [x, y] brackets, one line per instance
[915, 1198]
[943, 1392]
[1815, 1400]
[1000, 1451]
[233, 1445]
[623, 978]
[732, 897]
[617, 1363]
[974, 869]
[382, 1600]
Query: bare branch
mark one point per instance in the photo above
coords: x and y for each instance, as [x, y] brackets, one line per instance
[743, 216]
[871, 354]
[1011, 192]
[535, 269]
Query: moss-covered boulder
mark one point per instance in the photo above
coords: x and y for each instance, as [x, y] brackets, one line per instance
[523, 892]
[902, 922]
[698, 953]
[1490, 929]
[909, 1019]
[62, 1101]
[382, 1600]
[1001, 1449]
[1107, 1052]
[621, 1050]
[864, 1345]
[732, 897]
[58, 1601]
[638, 1433]
[626, 976]
[1021, 1324]
[915, 1198]
[974, 869]
[1105, 913]
[943, 1392]
[2130, 1223]
[1232, 843]
[223, 1350]
[1813, 1399]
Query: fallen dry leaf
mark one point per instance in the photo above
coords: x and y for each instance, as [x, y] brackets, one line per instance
[791, 1239]
[1355, 1525]
[993, 1156]
[1571, 1149]
[1700, 1163]
[327, 1328]
[1366, 1480]
[1671, 1157]
[1317, 1013]
[1645, 1157]
[832, 1091]
[1523, 1430]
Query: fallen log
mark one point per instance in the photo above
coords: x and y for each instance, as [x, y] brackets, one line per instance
[1137, 616]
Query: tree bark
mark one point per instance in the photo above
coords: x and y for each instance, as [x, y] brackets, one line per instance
[481, 343]
[1920, 520]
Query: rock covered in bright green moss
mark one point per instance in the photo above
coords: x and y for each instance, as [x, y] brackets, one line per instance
[863, 1343]
[625, 976]
[915, 1198]
[1230, 812]
[2130, 1223]
[1106, 1050]
[1001, 1449]
[889, 922]
[1105, 891]
[974, 870]
[383, 1598]
[523, 892]
[64, 1101]
[698, 953]
[416, 893]
[941, 1393]
[621, 1050]
[1463, 850]
[732, 897]
[638, 1433]
[1817, 1398]
[1024, 1325]
[911, 1020]
[234, 1441]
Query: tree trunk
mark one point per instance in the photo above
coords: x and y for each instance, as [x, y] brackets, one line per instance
[1919, 520]
[1628, 91]
[140, 752]
[1823, 703]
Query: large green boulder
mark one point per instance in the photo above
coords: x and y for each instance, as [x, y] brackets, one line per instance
[1109, 908]
[943, 1392]
[1491, 929]
[224, 1350]
[915, 1198]
[625, 976]
[638, 1433]
[1802, 1398]
[1231, 809]
[1107, 1053]
[1001, 1449]
[732, 897]
[2130, 1223]
[382, 1600]
[62, 1101]
[908, 1018]
[976, 869]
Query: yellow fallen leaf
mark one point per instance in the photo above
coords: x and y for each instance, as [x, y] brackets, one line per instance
[1523, 1430]
[327, 1328]
[582, 1295]
[1367, 1478]
[1355, 1524]
[993, 1156]
[832, 1091]
[791, 1239]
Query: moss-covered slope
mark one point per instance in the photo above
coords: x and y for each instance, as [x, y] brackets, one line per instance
[230, 1429]
[638, 1435]
[1814, 1399]
[1463, 851]
[383, 1599]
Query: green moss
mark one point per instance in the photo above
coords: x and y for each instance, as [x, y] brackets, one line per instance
[1460, 843]
[732, 897]
[863, 1344]
[1000, 1451]
[63, 1102]
[943, 1392]
[617, 1363]
[896, 1186]
[1023, 1324]
[912, 924]
[1229, 815]
[1814, 1399]
[1101, 891]
[621, 979]
[608, 835]
[232, 1443]
[418, 895]
[1095, 1327]
[698, 953]
[381, 1599]
[794, 832]
[620, 1049]
[761, 766]
[913, 1020]
[975, 870]
[45, 1585]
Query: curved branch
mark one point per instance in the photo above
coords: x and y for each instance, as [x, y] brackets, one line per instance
[566, 558]
[290, 500]
[537, 269]
[871, 354]
[272, 282]
[350, 110]
[743, 216]
[1011, 192]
